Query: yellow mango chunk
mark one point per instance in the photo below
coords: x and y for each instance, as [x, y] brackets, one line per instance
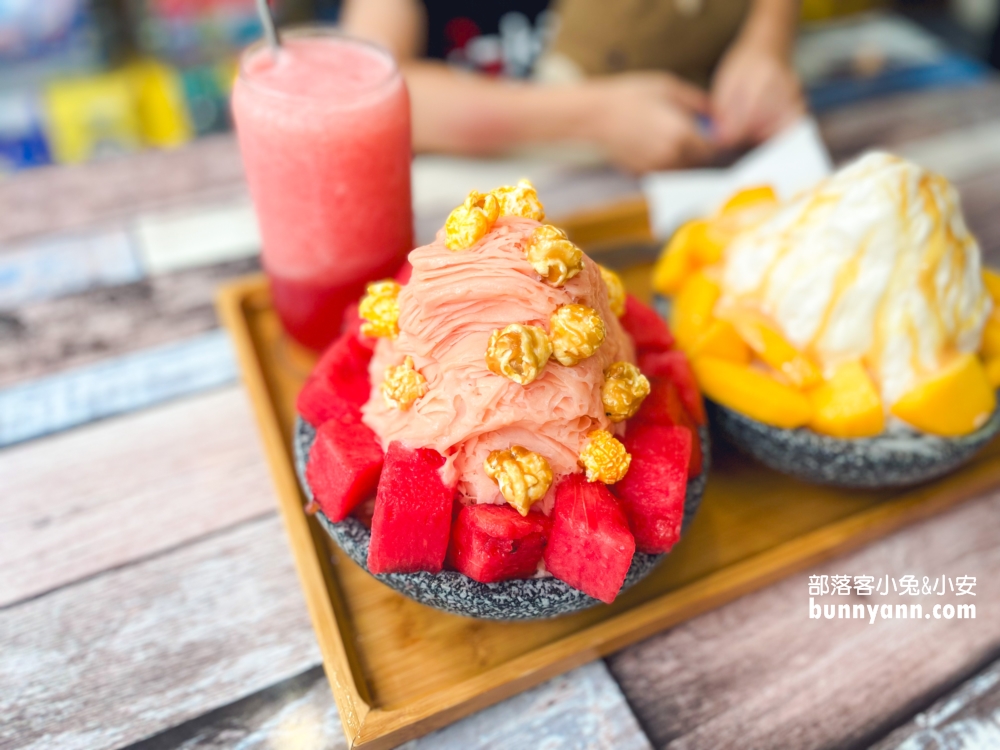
[708, 242]
[991, 279]
[691, 311]
[675, 263]
[752, 392]
[721, 340]
[749, 197]
[954, 402]
[990, 346]
[847, 405]
[993, 371]
[775, 350]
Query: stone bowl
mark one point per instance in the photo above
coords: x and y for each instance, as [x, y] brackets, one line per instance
[451, 591]
[899, 457]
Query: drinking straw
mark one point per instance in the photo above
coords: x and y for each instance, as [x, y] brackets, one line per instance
[270, 30]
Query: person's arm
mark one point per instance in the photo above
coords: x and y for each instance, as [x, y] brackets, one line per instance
[755, 91]
[642, 121]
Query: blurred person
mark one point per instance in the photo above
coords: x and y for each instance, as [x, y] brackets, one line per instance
[655, 84]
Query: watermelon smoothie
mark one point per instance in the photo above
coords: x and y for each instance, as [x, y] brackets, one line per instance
[324, 131]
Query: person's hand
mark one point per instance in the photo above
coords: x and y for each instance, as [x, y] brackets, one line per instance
[647, 121]
[755, 94]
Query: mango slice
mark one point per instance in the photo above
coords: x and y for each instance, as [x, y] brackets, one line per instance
[993, 371]
[721, 340]
[956, 401]
[696, 244]
[691, 312]
[775, 350]
[847, 405]
[990, 346]
[675, 263]
[991, 279]
[749, 197]
[752, 392]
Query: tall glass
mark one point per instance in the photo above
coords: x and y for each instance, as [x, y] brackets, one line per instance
[324, 131]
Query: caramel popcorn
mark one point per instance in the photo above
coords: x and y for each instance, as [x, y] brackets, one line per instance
[604, 458]
[468, 223]
[380, 309]
[519, 352]
[522, 476]
[520, 200]
[616, 290]
[623, 390]
[403, 385]
[553, 256]
[576, 331]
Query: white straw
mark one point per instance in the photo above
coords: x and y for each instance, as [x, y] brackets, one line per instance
[270, 31]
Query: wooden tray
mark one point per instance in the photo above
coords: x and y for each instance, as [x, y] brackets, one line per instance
[399, 669]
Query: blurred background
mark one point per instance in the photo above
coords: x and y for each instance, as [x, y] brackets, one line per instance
[84, 79]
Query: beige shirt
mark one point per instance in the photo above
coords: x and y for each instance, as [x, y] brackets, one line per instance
[686, 37]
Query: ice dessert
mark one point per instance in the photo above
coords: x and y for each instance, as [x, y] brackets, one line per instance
[514, 413]
[857, 307]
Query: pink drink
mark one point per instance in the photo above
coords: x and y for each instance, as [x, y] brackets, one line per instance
[324, 131]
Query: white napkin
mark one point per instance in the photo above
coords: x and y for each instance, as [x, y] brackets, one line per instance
[792, 161]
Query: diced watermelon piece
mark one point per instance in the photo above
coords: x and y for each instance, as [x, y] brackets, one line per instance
[675, 365]
[351, 326]
[590, 546]
[403, 274]
[648, 330]
[663, 407]
[492, 543]
[412, 520]
[652, 492]
[338, 384]
[344, 465]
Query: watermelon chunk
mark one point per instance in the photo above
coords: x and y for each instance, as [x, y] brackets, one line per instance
[663, 407]
[652, 492]
[344, 466]
[675, 365]
[590, 546]
[412, 519]
[403, 274]
[492, 543]
[338, 384]
[351, 326]
[648, 330]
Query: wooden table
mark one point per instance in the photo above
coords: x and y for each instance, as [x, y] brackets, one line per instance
[147, 596]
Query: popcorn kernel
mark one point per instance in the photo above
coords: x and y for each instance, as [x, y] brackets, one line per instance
[576, 332]
[522, 476]
[519, 352]
[520, 200]
[616, 290]
[553, 256]
[470, 222]
[380, 309]
[403, 385]
[604, 458]
[623, 391]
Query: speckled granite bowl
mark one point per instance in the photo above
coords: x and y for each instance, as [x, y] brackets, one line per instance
[894, 459]
[532, 599]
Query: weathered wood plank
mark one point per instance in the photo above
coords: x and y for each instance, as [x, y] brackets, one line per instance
[967, 719]
[115, 386]
[56, 334]
[131, 652]
[111, 191]
[760, 673]
[581, 709]
[124, 489]
[887, 122]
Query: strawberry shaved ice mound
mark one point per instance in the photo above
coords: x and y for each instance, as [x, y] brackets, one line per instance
[447, 312]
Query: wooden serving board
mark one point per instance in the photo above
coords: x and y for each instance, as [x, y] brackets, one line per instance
[399, 669]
